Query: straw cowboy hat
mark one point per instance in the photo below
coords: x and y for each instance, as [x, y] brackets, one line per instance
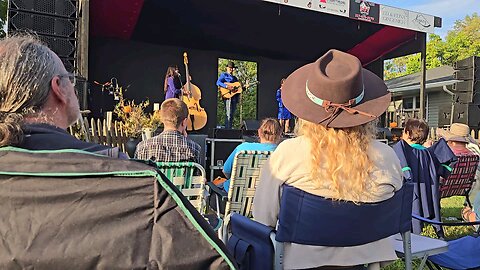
[335, 91]
[457, 133]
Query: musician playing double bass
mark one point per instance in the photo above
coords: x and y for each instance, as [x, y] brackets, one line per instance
[230, 103]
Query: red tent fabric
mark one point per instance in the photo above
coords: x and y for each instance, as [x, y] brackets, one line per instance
[380, 43]
[114, 18]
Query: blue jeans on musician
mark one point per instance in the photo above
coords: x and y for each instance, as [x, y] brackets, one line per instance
[230, 107]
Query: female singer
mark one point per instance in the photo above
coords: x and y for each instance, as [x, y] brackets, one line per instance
[172, 86]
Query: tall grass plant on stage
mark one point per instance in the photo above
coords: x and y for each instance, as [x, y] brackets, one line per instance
[134, 118]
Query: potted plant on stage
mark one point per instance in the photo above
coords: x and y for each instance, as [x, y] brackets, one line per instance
[135, 121]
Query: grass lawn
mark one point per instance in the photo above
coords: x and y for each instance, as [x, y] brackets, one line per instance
[450, 207]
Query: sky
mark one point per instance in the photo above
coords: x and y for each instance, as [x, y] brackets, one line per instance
[449, 10]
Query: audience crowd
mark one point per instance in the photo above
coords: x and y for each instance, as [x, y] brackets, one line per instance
[334, 154]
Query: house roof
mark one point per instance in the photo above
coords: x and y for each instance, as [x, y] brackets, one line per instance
[436, 78]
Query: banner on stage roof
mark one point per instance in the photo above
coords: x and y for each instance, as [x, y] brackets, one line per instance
[364, 11]
[367, 11]
[334, 7]
[406, 19]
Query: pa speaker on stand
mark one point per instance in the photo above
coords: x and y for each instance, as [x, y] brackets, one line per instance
[55, 22]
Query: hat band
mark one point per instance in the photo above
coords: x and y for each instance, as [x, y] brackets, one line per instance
[334, 109]
[321, 102]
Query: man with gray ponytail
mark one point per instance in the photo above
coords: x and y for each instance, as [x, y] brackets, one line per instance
[38, 100]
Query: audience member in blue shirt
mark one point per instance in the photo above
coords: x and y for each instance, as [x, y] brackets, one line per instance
[415, 133]
[230, 103]
[269, 134]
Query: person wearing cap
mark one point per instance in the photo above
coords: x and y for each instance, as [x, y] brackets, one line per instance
[335, 154]
[230, 103]
[459, 140]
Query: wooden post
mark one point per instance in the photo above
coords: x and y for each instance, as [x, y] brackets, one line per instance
[83, 32]
[423, 63]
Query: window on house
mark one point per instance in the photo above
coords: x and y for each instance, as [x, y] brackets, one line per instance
[408, 103]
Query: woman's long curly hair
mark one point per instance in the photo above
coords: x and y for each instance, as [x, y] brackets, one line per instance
[339, 159]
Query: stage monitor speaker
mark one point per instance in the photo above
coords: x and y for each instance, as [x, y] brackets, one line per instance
[222, 133]
[54, 21]
[250, 127]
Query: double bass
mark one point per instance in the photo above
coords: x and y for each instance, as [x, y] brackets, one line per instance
[197, 115]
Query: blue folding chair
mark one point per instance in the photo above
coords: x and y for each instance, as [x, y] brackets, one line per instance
[463, 253]
[313, 220]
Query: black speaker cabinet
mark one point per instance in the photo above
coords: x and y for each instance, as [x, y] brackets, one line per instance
[468, 114]
[55, 22]
[222, 133]
[250, 127]
[470, 62]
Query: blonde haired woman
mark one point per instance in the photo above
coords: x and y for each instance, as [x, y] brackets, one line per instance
[334, 156]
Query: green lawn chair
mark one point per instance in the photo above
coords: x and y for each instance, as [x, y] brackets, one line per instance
[189, 178]
[243, 183]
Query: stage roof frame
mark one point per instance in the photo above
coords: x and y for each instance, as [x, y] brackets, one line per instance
[269, 28]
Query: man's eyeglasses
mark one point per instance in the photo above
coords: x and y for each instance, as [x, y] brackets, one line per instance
[70, 76]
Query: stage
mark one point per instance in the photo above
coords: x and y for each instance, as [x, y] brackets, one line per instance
[135, 41]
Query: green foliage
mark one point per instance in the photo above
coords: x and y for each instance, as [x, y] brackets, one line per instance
[3, 16]
[461, 42]
[245, 72]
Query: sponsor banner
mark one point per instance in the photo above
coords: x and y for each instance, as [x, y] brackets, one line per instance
[364, 11]
[420, 22]
[367, 11]
[335, 7]
[394, 16]
[406, 19]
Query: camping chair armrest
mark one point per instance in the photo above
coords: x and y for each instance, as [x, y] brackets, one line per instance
[464, 223]
[218, 191]
[145, 161]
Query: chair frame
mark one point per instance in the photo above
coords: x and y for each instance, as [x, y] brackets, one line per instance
[243, 183]
[434, 222]
[465, 178]
[191, 186]
[278, 246]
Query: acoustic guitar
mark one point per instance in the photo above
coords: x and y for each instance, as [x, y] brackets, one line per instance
[197, 115]
[237, 89]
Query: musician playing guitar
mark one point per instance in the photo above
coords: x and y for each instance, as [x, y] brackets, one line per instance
[231, 101]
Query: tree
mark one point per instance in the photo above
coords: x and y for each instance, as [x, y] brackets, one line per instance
[461, 42]
[3, 16]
